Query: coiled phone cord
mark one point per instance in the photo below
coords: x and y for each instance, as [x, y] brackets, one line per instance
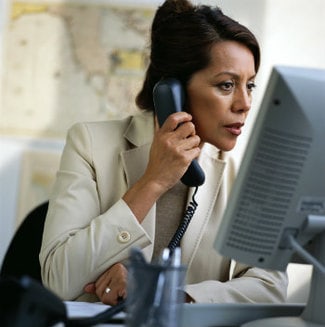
[190, 210]
[107, 315]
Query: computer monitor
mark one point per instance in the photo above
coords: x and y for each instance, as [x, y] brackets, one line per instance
[277, 204]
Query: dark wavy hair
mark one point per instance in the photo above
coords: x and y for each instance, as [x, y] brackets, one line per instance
[182, 35]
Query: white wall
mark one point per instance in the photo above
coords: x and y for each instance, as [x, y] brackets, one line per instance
[291, 32]
[6, 182]
[11, 155]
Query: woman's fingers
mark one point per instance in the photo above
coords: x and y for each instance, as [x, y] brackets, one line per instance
[175, 120]
[90, 288]
[111, 286]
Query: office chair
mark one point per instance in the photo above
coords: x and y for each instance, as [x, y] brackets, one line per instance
[21, 257]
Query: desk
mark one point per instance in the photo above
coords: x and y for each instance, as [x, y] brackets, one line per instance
[203, 315]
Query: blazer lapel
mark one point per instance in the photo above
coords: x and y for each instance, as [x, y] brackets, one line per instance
[139, 134]
[135, 162]
[206, 198]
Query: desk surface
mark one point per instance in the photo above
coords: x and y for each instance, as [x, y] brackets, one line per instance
[203, 315]
[85, 309]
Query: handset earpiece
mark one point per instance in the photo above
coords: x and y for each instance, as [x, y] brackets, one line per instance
[169, 97]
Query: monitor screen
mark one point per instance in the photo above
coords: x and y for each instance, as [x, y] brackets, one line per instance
[281, 180]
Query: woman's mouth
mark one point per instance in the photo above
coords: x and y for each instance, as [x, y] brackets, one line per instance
[234, 129]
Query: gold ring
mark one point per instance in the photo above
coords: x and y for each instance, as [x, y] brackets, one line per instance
[107, 290]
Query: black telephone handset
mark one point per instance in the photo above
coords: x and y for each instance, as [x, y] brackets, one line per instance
[24, 302]
[169, 97]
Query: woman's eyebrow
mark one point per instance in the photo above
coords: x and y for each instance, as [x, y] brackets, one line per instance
[234, 75]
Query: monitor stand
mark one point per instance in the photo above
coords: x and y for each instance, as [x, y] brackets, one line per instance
[314, 313]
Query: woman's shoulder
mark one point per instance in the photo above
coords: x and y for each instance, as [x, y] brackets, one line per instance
[114, 127]
[101, 126]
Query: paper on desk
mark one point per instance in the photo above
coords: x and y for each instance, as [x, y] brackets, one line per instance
[85, 309]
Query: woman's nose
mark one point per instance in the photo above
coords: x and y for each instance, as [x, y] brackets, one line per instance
[242, 100]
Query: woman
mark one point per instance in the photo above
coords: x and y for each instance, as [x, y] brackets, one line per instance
[119, 181]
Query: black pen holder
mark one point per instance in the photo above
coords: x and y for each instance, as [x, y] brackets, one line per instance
[155, 295]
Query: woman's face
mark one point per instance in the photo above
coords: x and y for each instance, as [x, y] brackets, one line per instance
[220, 95]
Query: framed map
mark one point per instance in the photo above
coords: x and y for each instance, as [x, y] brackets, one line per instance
[67, 62]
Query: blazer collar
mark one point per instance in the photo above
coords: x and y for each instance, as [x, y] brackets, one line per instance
[139, 134]
[140, 129]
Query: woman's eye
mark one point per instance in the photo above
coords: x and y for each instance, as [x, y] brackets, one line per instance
[226, 86]
[251, 86]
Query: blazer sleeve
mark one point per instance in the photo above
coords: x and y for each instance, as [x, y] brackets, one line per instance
[80, 242]
[248, 285]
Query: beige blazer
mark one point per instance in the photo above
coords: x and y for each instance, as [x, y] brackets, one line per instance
[89, 227]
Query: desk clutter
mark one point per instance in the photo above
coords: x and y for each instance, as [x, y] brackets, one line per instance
[155, 299]
[155, 290]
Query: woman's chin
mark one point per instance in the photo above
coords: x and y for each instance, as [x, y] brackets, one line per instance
[224, 146]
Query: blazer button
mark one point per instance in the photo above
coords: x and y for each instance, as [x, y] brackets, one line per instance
[124, 237]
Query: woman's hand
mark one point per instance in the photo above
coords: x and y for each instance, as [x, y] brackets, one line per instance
[174, 147]
[110, 287]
